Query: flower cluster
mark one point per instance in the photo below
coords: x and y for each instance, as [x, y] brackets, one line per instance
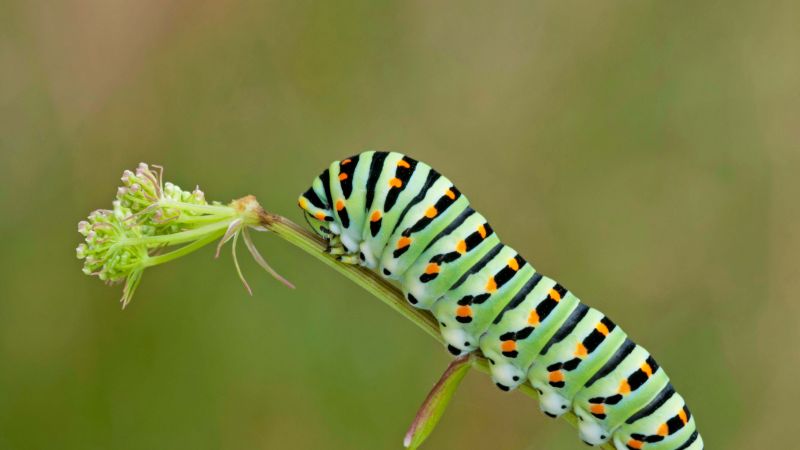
[154, 203]
[104, 251]
[152, 222]
[147, 215]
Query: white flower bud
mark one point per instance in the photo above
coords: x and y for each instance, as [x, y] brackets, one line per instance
[198, 194]
[127, 176]
[84, 227]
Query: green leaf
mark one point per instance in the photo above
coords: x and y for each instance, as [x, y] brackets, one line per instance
[436, 402]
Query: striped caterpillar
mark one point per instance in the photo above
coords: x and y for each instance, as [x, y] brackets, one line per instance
[399, 217]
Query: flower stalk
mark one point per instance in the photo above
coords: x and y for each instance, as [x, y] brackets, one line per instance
[152, 222]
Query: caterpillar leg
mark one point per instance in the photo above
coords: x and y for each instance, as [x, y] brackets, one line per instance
[348, 259]
[335, 246]
[338, 249]
[332, 241]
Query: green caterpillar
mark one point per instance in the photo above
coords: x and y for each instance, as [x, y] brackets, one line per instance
[399, 217]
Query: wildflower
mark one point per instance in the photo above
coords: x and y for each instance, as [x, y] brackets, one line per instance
[152, 222]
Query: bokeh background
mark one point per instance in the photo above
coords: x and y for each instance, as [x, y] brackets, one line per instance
[644, 153]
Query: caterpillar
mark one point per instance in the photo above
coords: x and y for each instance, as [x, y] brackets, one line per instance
[402, 219]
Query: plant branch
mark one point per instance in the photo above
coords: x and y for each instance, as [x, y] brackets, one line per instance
[379, 287]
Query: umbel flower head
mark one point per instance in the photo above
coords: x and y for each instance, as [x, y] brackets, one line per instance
[152, 222]
[163, 207]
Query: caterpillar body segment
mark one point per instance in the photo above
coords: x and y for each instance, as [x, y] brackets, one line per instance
[563, 368]
[348, 205]
[523, 328]
[466, 311]
[604, 405]
[402, 219]
[397, 185]
[446, 260]
[422, 225]
[669, 426]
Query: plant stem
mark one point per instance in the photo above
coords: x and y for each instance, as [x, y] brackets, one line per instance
[180, 237]
[219, 210]
[186, 249]
[381, 288]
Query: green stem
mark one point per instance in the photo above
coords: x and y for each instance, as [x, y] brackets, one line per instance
[367, 279]
[219, 210]
[180, 237]
[185, 250]
[379, 287]
[206, 218]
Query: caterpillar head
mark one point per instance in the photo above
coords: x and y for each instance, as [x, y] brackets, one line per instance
[551, 402]
[590, 430]
[319, 227]
[320, 220]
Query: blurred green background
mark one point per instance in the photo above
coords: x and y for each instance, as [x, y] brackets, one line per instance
[643, 153]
